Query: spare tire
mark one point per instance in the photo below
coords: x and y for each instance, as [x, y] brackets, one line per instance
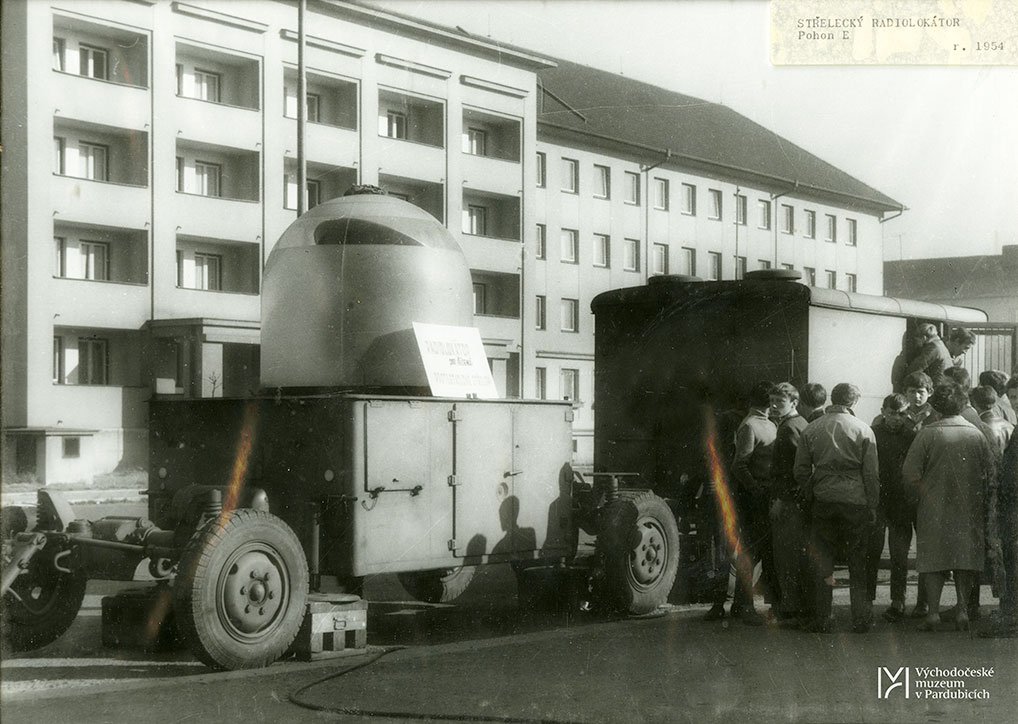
[638, 544]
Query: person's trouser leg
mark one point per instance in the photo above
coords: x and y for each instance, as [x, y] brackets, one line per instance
[963, 583]
[856, 528]
[1009, 549]
[899, 539]
[874, 550]
[823, 540]
[787, 544]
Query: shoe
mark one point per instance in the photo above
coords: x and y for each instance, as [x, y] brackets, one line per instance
[895, 612]
[861, 627]
[961, 622]
[716, 613]
[818, 627]
[752, 618]
[930, 623]
[921, 610]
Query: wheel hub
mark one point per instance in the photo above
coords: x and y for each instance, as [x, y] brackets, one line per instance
[650, 554]
[253, 592]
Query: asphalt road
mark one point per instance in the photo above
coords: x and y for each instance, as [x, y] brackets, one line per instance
[483, 659]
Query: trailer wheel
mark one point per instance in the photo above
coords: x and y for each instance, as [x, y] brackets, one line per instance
[40, 606]
[437, 586]
[639, 546]
[241, 589]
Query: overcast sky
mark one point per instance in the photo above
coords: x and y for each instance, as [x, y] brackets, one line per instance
[941, 140]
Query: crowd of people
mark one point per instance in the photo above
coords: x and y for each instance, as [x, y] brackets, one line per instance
[812, 482]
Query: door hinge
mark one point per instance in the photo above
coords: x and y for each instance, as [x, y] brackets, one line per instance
[454, 415]
[452, 544]
[453, 482]
[569, 415]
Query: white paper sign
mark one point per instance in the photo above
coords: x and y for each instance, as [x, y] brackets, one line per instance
[455, 362]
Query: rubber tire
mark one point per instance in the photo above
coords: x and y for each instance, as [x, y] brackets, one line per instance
[626, 525]
[201, 611]
[440, 585]
[24, 628]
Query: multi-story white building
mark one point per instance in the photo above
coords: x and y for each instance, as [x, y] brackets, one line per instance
[150, 163]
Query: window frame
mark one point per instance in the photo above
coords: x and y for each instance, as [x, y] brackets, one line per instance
[476, 141]
[810, 275]
[95, 373]
[601, 251]
[395, 124]
[570, 175]
[658, 259]
[480, 298]
[741, 267]
[542, 170]
[688, 199]
[573, 235]
[662, 193]
[573, 394]
[831, 231]
[179, 168]
[689, 260]
[763, 264]
[852, 234]
[629, 244]
[541, 312]
[59, 364]
[602, 181]
[92, 52]
[811, 224]
[715, 266]
[313, 110]
[477, 220]
[851, 282]
[541, 242]
[60, 155]
[831, 278]
[201, 176]
[87, 250]
[70, 447]
[60, 243]
[88, 151]
[764, 208]
[569, 306]
[201, 88]
[741, 210]
[59, 54]
[787, 219]
[203, 281]
[541, 383]
[717, 204]
[632, 191]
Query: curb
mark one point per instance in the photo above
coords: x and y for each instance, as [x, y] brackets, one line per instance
[77, 497]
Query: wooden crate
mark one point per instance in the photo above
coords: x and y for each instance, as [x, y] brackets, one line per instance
[335, 624]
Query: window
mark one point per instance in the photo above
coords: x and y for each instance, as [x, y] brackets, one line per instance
[93, 161]
[852, 230]
[95, 260]
[541, 312]
[61, 257]
[59, 46]
[542, 242]
[314, 105]
[659, 259]
[763, 264]
[810, 275]
[59, 156]
[475, 142]
[714, 264]
[811, 224]
[832, 279]
[59, 376]
[715, 203]
[631, 255]
[314, 194]
[570, 246]
[476, 220]
[93, 361]
[480, 298]
[395, 124]
[180, 268]
[570, 175]
[740, 209]
[207, 178]
[689, 261]
[689, 199]
[208, 272]
[542, 170]
[788, 267]
[661, 194]
[92, 62]
[602, 182]
[570, 315]
[206, 85]
[71, 447]
[632, 188]
[541, 383]
[569, 382]
[740, 267]
[602, 250]
[765, 214]
[832, 228]
[180, 79]
[180, 174]
[851, 283]
[787, 219]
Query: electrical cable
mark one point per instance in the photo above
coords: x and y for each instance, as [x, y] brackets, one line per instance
[295, 698]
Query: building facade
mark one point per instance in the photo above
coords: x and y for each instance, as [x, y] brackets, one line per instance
[150, 164]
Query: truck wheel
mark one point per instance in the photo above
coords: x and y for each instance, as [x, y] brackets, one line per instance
[437, 586]
[639, 545]
[241, 589]
[40, 605]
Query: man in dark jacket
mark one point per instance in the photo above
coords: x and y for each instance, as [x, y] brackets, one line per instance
[897, 506]
[788, 523]
[836, 467]
[933, 357]
[1003, 542]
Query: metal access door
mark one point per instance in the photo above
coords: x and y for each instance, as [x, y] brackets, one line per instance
[996, 348]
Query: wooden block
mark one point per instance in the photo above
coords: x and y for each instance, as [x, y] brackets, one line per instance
[334, 625]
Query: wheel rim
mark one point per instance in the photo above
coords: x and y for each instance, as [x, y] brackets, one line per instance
[253, 592]
[648, 559]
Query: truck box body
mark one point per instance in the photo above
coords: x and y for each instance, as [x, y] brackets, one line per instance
[401, 483]
[673, 353]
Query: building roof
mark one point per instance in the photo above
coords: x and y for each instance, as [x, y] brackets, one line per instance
[956, 277]
[584, 100]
